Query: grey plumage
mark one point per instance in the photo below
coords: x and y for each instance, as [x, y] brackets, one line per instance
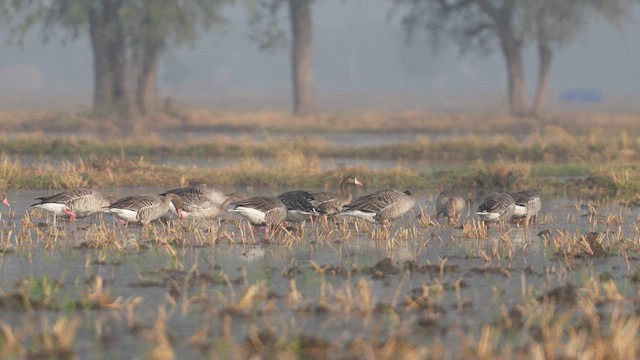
[299, 205]
[330, 203]
[528, 205]
[144, 208]
[202, 201]
[381, 206]
[261, 210]
[450, 204]
[77, 203]
[496, 207]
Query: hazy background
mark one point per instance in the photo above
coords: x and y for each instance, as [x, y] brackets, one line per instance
[362, 61]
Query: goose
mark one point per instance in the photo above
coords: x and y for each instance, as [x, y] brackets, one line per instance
[450, 203]
[144, 208]
[299, 205]
[4, 199]
[202, 201]
[380, 207]
[331, 203]
[261, 211]
[496, 208]
[77, 203]
[528, 205]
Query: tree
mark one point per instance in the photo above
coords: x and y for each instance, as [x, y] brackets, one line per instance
[552, 24]
[128, 38]
[477, 25]
[267, 33]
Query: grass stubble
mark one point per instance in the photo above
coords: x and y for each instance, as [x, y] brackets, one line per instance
[390, 307]
[417, 290]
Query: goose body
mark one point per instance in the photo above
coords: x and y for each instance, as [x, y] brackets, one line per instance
[144, 208]
[261, 211]
[380, 207]
[496, 207]
[76, 203]
[299, 205]
[450, 204]
[331, 203]
[201, 201]
[528, 205]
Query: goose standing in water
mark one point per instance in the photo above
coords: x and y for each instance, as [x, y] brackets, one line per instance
[202, 201]
[380, 207]
[331, 203]
[261, 211]
[78, 203]
[450, 204]
[299, 205]
[528, 206]
[496, 208]
[144, 208]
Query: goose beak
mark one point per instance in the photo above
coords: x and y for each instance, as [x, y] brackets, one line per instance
[180, 214]
[355, 181]
[6, 202]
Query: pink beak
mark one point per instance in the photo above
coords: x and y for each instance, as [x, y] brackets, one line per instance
[355, 181]
[6, 202]
[180, 214]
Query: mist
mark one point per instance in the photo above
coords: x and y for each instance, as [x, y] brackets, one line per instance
[362, 61]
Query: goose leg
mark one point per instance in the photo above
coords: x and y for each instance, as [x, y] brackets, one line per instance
[70, 213]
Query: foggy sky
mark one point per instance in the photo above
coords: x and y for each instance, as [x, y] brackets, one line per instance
[361, 61]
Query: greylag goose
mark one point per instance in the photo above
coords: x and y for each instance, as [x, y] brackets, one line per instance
[75, 204]
[144, 208]
[331, 203]
[299, 205]
[4, 200]
[528, 205]
[450, 204]
[261, 211]
[202, 201]
[380, 207]
[496, 208]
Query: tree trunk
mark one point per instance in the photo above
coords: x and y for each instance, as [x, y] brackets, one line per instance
[102, 82]
[512, 51]
[304, 97]
[146, 90]
[116, 48]
[542, 92]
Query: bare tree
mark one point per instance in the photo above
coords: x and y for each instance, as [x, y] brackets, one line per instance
[552, 24]
[480, 25]
[128, 38]
[267, 32]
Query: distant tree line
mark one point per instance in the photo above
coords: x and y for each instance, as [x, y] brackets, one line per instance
[129, 37]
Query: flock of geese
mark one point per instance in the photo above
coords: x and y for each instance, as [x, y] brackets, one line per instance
[205, 202]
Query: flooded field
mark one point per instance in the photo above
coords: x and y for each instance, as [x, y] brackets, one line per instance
[566, 287]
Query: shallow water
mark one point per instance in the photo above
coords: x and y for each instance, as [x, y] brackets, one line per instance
[347, 292]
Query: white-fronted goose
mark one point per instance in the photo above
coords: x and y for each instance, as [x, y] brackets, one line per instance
[144, 208]
[261, 211]
[380, 207]
[299, 205]
[75, 204]
[331, 203]
[202, 201]
[496, 208]
[528, 206]
[450, 204]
